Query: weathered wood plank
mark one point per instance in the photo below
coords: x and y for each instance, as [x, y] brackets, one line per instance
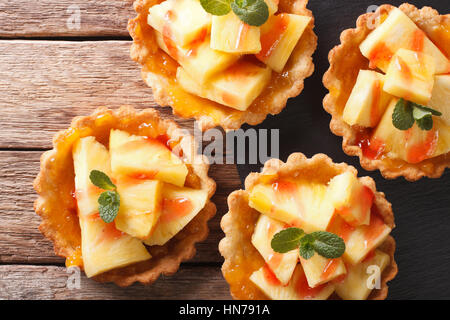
[50, 282]
[20, 239]
[49, 18]
[44, 84]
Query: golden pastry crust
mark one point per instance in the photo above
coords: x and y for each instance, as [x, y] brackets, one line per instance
[159, 70]
[57, 206]
[345, 62]
[242, 258]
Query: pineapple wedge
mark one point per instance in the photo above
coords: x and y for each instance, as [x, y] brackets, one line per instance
[368, 101]
[144, 158]
[355, 286]
[319, 270]
[230, 34]
[199, 60]
[396, 32]
[88, 155]
[272, 5]
[351, 199]
[360, 241]
[440, 97]
[299, 204]
[410, 75]
[413, 145]
[281, 264]
[105, 248]
[297, 288]
[179, 207]
[236, 87]
[183, 21]
[140, 206]
[279, 36]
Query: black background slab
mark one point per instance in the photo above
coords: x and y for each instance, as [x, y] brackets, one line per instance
[422, 209]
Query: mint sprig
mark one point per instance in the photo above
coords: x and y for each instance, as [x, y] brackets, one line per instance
[406, 113]
[252, 12]
[108, 201]
[326, 244]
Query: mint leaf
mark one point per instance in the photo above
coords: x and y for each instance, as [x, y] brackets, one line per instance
[402, 117]
[109, 203]
[328, 244]
[252, 12]
[286, 240]
[101, 180]
[216, 7]
[423, 118]
[432, 111]
[306, 247]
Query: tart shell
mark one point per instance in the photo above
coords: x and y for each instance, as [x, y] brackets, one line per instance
[242, 259]
[158, 72]
[57, 206]
[345, 62]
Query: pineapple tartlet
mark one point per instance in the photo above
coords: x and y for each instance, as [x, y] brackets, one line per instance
[389, 91]
[319, 199]
[218, 69]
[124, 196]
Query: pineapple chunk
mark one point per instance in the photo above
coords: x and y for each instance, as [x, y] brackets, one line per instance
[183, 21]
[105, 248]
[230, 34]
[179, 207]
[88, 155]
[144, 158]
[351, 199]
[300, 204]
[272, 5]
[236, 87]
[440, 97]
[297, 289]
[355, 286]
[281, 264]
[410, 75]
[413, 145]
[319, 270]
[368, 101]
[279, 36]
[396, 32]
[199, 60]
[360, 241]
[140, 206]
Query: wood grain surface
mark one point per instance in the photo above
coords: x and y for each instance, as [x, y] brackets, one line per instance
[51, 73]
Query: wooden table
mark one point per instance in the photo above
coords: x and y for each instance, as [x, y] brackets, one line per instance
[49, 74]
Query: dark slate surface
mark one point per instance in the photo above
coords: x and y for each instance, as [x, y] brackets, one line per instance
[422, 209]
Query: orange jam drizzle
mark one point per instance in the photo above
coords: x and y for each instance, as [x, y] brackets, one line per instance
[242, 34]
[376, 99]
[417, 41]
[380, 52]
[270, 277]
[270, 40]
[75, 259]
[404, 69]
[372, 148]
[329, 269]
[175, 208]
[422, 150]
[304, 291]
[373, 230]
[369, 256]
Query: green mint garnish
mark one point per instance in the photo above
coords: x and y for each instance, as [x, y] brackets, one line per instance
[252, 12]
[216, 7]
[406, 112]
[402, 117]
[109, 201]
[101, 180]
[326, 244]
[287, 240]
